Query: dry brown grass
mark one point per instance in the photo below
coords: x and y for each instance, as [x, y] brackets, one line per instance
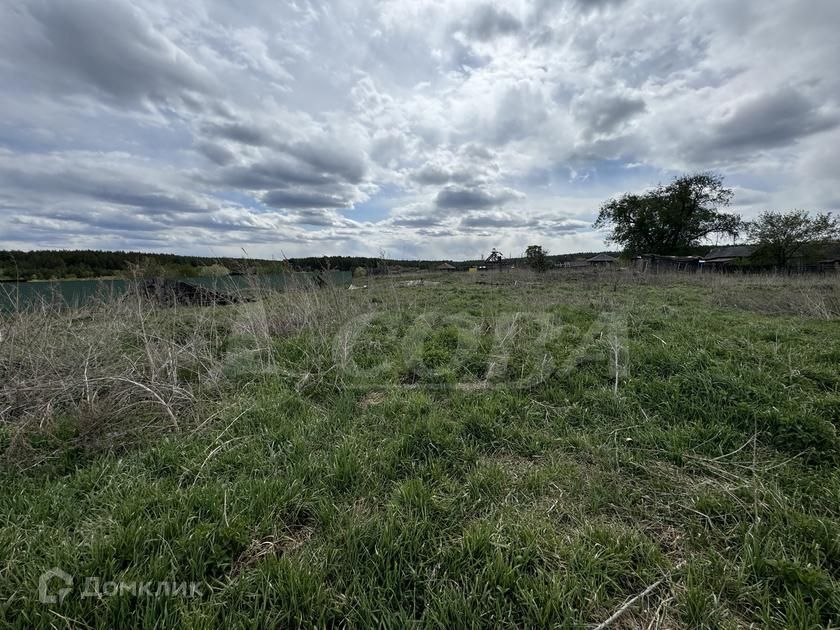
[116, 370]
[102, 364]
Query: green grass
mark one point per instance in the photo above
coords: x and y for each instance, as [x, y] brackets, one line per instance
[404, 491]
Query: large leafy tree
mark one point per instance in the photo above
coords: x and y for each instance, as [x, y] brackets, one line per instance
[782, 235]
[672, 218]
[536, 257]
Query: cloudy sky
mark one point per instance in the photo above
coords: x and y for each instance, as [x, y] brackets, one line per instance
[421, 128]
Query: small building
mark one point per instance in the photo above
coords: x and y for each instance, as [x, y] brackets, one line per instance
[728, 256]
[602, 260]
[830, 264]
[445, 267]
[658, 262]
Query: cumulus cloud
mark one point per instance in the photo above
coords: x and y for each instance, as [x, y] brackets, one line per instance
[488, 22]
[111, 47]
[493, 220]
[420, 128]
[457, 198]
[302, 199]
[215, 152]
[77, 177]
[435, 174]
[238, 132]
[275, 171]
[765, 121]
[604, 113]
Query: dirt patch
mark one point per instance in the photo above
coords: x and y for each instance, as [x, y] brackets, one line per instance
[372, 399]
[276, 545]
[515, 467]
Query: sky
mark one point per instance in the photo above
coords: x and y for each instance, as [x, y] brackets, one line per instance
[434, 129]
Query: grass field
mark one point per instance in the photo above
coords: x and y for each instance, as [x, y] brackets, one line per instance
[503, 450]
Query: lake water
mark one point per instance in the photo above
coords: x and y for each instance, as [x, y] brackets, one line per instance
[79, 292]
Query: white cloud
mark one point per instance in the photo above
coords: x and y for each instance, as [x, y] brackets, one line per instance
[417, 127]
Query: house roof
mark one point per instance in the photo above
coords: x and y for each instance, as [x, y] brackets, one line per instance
[602, 258]
[670, 258]
[446, 266]
[735, 251]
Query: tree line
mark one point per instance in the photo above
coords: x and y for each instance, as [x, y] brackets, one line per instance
[85, 264]
[64, 264]
[679, 217]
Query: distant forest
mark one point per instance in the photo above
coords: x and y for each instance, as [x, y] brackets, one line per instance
[81, 264]
[70, 264]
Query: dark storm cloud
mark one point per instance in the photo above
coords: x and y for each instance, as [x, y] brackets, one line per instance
[63, 179]
[604, 114]
[302, 199]
[239, 132]
[775, 119]
[216, 153]
[763, 122]
[325, 181]
[316, 160]
[288, 186]
[455, 198]
[462, 198]
[330, 157]
[277, 172]
[110, 47]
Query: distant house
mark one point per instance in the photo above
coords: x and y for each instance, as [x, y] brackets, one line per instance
[445, 267]
[602, 260]
[574, 264]
[829, 257]
[658, 262]
[830, 264]
[725, 256]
